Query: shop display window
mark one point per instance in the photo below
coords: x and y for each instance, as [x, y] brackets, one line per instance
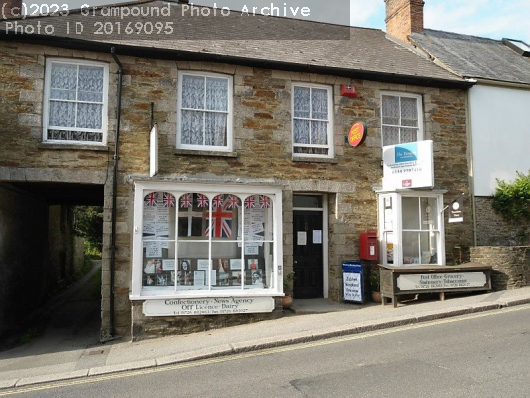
[200, 241]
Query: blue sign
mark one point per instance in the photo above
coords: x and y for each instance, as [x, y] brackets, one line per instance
[406, 153]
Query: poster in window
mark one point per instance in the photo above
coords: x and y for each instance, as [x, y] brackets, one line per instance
[161, 280]
[213, 277]
[257, 277]
[252, 249]
[158, 266]
[222, 265]
[235, 264]
[168, 264]
[256, 228]
[185, 265]
[150, 267]
[149, 280]
[153, 249]
[199, 278]
[188, 278]
[258, 240]
[253, 264]
[203, 265]
[236, 278]
[224, 279]
[149, 221]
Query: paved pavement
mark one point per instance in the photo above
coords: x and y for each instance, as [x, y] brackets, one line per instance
[80, 355]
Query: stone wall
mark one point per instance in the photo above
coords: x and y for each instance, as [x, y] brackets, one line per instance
[262, 145]
[23, 249]
[511, 265]
[492, 230]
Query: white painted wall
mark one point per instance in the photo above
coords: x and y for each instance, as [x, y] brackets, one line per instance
[500, 127]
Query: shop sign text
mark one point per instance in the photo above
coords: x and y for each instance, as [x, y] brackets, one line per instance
[208, 306]
[441, 281]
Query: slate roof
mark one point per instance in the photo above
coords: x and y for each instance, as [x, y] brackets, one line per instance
[475, 57]
[366, 53]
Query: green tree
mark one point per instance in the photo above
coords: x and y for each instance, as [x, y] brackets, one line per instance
[89, 225]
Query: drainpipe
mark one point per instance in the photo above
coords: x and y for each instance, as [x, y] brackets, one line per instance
[114, 194]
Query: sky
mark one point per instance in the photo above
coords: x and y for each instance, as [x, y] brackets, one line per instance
[494, 19]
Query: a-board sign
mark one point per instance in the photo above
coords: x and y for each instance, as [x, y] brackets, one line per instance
[352, 287]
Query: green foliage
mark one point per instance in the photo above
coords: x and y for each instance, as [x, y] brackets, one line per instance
[512, 199]
[89, 225]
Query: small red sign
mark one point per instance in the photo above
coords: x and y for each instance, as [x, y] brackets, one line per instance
[357, 134]
[406, 183]
[348, 91]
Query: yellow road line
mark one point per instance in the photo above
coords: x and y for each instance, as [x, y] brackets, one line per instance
[113, 376]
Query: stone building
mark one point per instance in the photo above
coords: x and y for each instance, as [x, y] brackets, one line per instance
[255, 175]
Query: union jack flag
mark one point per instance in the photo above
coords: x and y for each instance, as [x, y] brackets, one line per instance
[168, 200]
[151, 199]
[202, 200]
[186, 201]
[250, 202]
[217, 201]
[233, 202]
[264, 202]
[221, 222]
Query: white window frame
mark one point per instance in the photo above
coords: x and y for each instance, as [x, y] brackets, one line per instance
[419, 103]
[331, 142]
[46, 106]
[397, 225]
[177, 190]
[230, 113]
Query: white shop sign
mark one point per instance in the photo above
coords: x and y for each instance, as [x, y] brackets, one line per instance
[408, 166]
[208, 306]
[441, 281]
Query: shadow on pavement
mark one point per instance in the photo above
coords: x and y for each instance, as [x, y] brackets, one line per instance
[69, 322]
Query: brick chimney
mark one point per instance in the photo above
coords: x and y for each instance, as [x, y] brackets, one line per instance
[404, 17]
[10, 9]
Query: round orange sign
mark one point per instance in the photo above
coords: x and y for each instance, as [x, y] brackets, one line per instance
[357, 134]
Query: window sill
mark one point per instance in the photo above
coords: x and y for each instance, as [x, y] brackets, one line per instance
[189, 152]
[315, 160]
[76, 147]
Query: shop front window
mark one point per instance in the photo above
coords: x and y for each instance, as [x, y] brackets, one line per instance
[411, 229]
[200, 241]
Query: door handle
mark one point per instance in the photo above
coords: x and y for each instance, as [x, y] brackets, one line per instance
[296, 262]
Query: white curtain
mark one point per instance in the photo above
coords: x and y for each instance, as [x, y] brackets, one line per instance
[400, 119]
[204, 110]
[76, 100]
[310, 124]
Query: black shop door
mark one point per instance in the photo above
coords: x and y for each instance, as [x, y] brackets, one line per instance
[308, 274]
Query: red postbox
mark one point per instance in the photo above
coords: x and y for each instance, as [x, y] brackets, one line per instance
[368, 246]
